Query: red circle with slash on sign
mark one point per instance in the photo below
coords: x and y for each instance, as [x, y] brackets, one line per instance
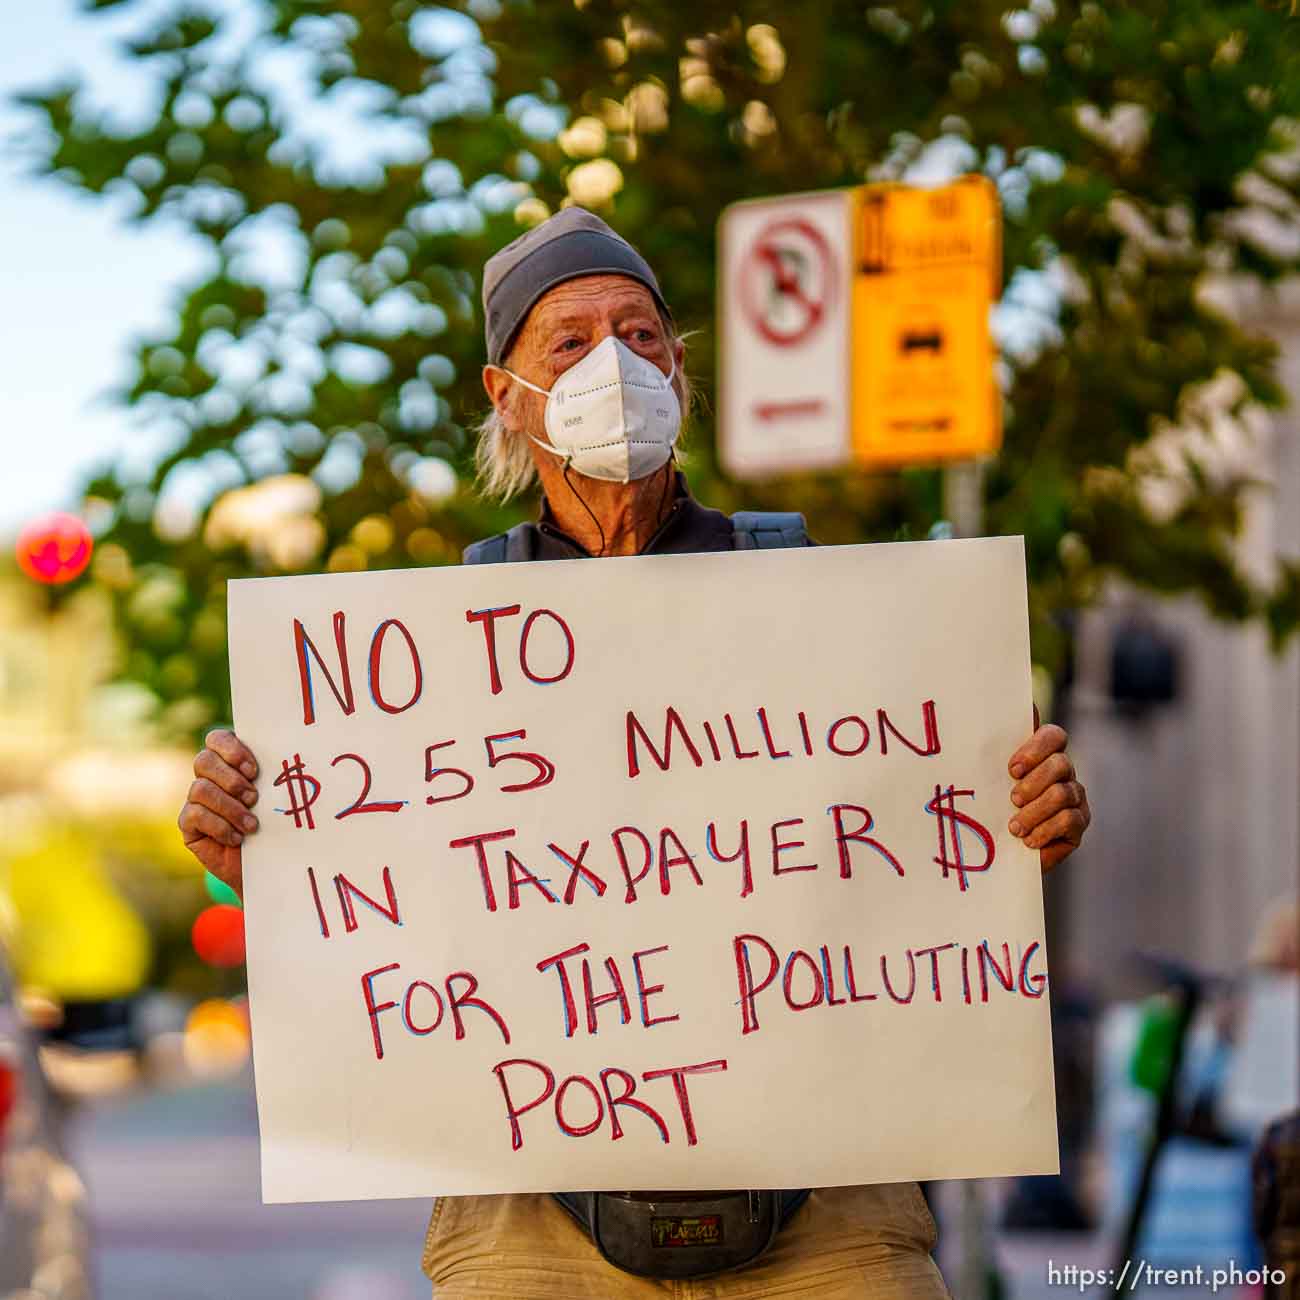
[786, 281]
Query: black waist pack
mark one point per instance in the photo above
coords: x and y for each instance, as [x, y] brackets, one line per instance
[681, 1235]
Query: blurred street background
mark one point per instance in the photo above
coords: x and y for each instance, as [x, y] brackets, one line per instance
[173, 1182]
[240, 248]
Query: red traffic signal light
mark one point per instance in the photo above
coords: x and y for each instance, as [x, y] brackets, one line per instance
[54, 549]
[218, 935]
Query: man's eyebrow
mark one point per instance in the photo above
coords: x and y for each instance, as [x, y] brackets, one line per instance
[561, 318]
[555, 319]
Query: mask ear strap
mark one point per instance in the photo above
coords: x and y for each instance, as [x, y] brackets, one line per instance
[565, 454]
[520, 379]
[556, 451]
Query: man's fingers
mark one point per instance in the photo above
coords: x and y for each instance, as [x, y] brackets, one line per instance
[1061, 795]
[233, 750]
[210, 766]
[1058, 835]
[215, 816]
[1068, 825]
[1045, 740]
[196, 820]
[1055, 769]
[212, 796]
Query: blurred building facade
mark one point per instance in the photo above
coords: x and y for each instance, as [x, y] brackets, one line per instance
[1196, 800]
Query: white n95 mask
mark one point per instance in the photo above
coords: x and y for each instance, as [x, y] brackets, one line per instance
[613, 415]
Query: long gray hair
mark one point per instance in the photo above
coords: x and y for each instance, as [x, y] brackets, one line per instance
[504, 465]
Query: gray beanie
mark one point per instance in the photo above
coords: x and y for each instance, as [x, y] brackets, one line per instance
[572, 243]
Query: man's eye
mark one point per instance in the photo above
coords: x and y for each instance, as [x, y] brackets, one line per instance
[569, 344]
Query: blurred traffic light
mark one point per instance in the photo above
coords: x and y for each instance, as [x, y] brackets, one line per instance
[218, 935]
[54, 549]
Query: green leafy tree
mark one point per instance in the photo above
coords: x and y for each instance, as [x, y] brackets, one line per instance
[352, 163]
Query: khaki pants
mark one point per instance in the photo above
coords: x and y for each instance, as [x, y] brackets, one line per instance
[844, 1243]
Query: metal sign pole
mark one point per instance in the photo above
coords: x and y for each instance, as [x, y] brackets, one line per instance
[963, 497]
[963, 505]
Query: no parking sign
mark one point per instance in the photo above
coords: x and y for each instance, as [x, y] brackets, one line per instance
[855, 327]
[783, 268]
[788, 278]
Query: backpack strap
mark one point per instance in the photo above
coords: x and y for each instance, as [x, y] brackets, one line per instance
[504, 547]
[768, 529]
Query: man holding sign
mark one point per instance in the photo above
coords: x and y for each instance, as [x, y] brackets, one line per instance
[792, 984]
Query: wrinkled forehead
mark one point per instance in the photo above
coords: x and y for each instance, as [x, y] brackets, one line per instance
[591, 302]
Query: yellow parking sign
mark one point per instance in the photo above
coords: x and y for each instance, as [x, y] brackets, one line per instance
[927, 268]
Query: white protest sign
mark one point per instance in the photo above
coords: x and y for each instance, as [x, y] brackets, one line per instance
[668, 872]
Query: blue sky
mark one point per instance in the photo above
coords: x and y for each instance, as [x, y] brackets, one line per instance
[78, 284]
